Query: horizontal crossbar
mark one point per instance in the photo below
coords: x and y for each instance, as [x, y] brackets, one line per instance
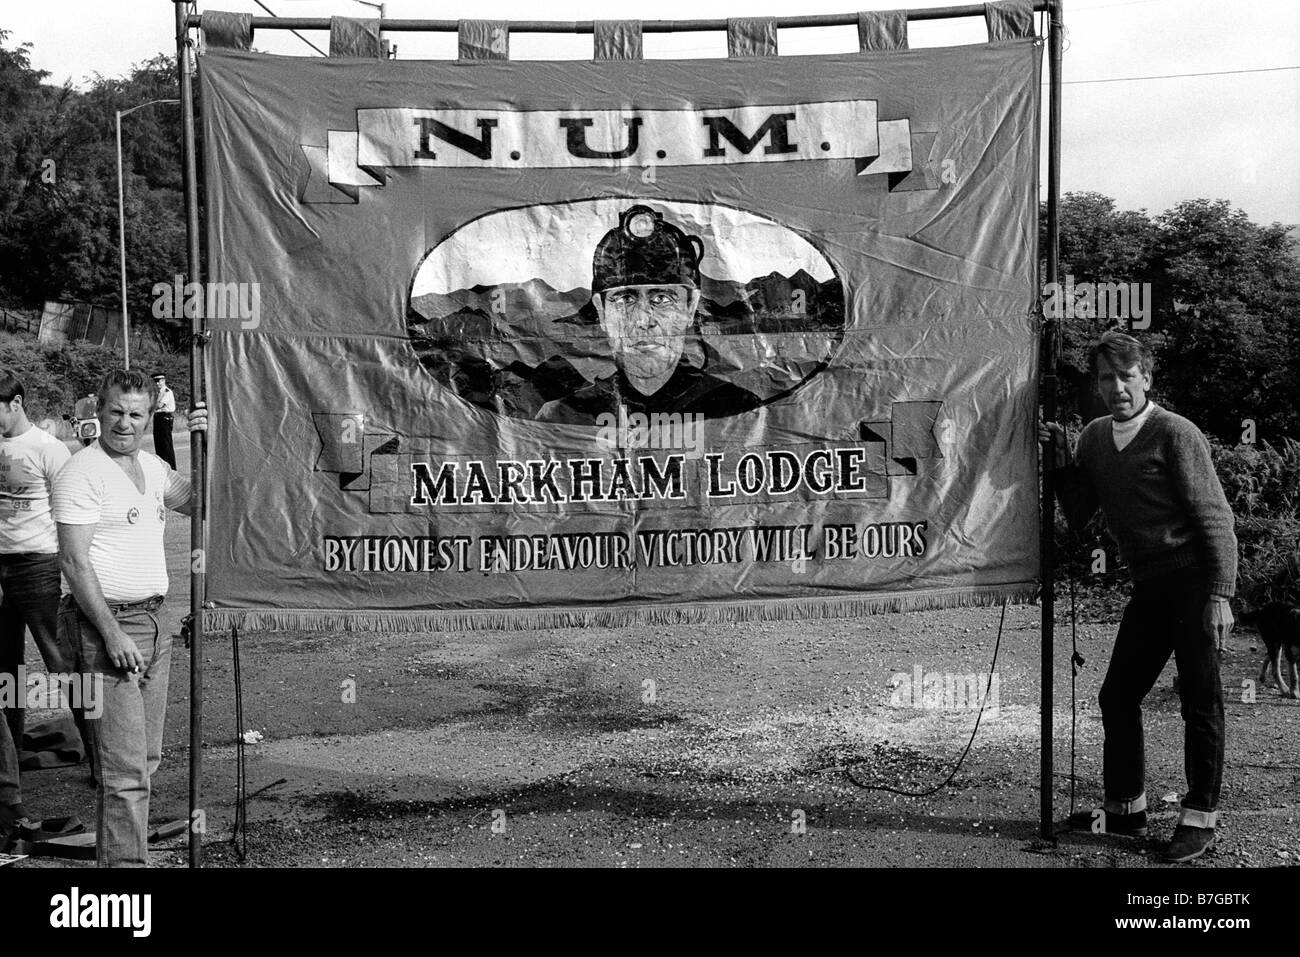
[647, 26]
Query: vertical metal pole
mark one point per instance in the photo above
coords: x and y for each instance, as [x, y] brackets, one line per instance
[121, 247]
[1048, 398]
[198, 447]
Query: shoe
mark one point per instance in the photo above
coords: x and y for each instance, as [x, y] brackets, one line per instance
[1121, 825]
[52, 827]
[1189, 843]
[14, 815]
[13, 823]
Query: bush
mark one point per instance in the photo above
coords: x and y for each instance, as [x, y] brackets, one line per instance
[55, 375]
[1262, 485]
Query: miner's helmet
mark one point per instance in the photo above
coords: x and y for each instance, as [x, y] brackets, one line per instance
[643, 250]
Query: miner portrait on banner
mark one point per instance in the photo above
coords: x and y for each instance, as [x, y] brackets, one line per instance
[645, 289]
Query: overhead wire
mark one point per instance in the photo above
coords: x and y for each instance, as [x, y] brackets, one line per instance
[1179, 76]
[294, 32]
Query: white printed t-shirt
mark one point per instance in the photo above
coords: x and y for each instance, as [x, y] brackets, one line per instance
[28, 464]
[127, 549]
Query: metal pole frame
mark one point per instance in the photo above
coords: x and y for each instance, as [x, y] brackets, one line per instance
[1048, 397]
[198, 446]
[1049, 345]
[647, 26]
[121, 247]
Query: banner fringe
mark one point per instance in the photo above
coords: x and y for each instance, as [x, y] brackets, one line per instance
[505, 619]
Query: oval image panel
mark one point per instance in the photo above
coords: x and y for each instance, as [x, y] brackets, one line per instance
[560, 312]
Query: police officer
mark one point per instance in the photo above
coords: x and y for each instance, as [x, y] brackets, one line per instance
[646, 290]
[162, 421]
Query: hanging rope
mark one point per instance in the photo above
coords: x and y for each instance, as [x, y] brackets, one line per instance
[239, 834]
[1076, 662]
[848, 771]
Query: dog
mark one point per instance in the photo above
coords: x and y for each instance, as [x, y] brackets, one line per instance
[1279, 625]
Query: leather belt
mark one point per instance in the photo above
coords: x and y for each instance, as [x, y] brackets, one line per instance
[152, 603]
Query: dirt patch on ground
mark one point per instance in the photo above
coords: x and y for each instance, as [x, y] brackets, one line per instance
[717, 745]
[741, 744]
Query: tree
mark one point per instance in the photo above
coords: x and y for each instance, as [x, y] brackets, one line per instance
[59, 222]
[1225, 322]
[1232, 349]
[28, 183]
[1098, 244]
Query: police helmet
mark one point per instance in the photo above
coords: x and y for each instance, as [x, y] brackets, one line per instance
[643, 250]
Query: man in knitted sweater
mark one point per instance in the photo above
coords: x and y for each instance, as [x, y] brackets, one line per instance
[1150, 473]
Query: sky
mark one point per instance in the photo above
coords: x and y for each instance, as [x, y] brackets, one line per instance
[738, 246]
[1148, 143]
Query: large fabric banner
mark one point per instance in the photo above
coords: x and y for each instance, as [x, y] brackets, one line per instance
[523, 344]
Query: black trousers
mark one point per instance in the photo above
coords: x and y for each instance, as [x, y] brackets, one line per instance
[29, 599]
[162, 438]
[1164, 617]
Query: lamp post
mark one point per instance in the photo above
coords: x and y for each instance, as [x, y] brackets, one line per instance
[121, 227]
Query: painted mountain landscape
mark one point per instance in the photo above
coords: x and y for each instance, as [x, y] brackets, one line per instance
[513, 347]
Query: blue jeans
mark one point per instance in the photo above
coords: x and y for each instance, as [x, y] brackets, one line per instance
[1163, 617]
[29, 584]
[127, 736]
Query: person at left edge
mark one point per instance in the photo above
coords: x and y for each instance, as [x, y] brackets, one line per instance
[110, 503]
[163, 416]
[29, 579]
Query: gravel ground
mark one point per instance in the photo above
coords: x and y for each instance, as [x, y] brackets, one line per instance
[715, 745]
[548, 748]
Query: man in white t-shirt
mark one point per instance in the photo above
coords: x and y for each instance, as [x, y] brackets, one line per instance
[29, 579]
[111, 502]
